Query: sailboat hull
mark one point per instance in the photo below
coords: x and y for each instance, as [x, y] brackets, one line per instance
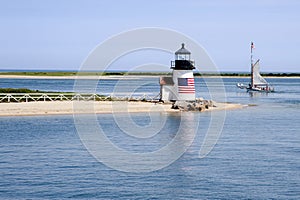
[260, 89]
[255, 89]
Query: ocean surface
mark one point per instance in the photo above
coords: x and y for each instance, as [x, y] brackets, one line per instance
[257, 155]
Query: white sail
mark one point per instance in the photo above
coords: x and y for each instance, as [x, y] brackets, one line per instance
[257, 78]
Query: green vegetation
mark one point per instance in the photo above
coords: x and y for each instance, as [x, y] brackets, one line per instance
[39, 73]
[281, 74]
[26, 91]
[88, 73]
[120, 73]
[18, 90]
[248, 74]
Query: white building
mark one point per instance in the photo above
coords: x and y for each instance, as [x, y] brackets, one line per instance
[181, 86]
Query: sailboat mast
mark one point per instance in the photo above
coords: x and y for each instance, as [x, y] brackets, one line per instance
[251, 48]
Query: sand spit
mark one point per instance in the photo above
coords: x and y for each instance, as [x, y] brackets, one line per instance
[88, 107]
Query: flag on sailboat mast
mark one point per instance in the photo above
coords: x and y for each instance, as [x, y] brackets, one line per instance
[252, 45]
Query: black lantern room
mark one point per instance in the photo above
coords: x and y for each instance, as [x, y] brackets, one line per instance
[182, 60]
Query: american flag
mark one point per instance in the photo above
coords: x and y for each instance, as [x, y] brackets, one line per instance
[186, 85]
[252, 45]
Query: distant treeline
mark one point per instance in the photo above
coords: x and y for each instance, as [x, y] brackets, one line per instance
[18, 90]
[26, 90]
[73, 73]
[248, 74]
[281, 74]
[54, 73]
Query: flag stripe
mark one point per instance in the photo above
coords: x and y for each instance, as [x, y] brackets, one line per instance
[186, 85]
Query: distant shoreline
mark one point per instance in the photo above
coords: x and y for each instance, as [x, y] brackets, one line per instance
[3, 76]
[89, 74]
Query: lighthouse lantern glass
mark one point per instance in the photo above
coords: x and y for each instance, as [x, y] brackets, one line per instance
[182, 57]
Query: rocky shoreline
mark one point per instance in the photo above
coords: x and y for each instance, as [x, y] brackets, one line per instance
[198, 105]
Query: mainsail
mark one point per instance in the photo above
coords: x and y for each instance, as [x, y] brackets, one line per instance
[257, 78]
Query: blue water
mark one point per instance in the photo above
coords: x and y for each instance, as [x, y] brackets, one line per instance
[256, 157]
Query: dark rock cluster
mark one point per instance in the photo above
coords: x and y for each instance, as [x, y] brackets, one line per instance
[198, 105]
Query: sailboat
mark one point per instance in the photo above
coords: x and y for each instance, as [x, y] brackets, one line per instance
[258, 83]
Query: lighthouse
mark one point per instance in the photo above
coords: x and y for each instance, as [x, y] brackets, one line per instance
[181, 86]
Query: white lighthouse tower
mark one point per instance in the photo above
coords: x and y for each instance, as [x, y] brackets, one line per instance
[181, 86]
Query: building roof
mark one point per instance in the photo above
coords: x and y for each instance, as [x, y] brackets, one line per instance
[182, 50]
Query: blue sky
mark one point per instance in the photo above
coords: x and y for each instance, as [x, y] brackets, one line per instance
[58, 35]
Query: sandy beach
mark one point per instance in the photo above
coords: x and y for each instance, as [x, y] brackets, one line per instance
[84, 107]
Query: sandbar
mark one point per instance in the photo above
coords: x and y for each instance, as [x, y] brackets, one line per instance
[90, 107]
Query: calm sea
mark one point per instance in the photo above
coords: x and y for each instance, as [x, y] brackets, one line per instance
[256, 157]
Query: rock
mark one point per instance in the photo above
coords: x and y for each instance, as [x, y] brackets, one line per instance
[198, 105]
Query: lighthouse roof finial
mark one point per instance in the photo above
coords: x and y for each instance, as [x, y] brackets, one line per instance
[182, 50]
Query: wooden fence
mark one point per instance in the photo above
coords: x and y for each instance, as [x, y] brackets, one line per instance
[30, 97]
